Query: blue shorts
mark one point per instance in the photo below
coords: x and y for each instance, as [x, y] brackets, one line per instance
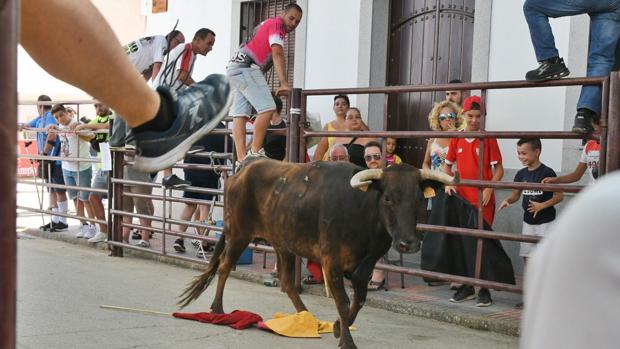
[250, 89]
[100, 181]
[71, 178]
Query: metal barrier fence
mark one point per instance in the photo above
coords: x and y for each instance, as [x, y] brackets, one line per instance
[296, 136]
[609, 156]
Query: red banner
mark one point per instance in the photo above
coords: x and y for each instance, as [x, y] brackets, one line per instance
[26, 168]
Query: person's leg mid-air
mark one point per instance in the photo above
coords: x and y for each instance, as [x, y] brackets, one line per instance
[165, 123]
[605, 30]
[537, 13]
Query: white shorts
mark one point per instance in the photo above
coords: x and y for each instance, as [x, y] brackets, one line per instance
[534, 230]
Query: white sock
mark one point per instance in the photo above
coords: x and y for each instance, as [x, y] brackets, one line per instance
[54, 217]
[63, 206]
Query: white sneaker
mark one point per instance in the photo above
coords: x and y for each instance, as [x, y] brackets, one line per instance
[90, 232]
[99, 237]
[143, 243]
[259, 154]
[83, 230]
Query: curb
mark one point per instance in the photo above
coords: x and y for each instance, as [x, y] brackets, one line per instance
[374, 300]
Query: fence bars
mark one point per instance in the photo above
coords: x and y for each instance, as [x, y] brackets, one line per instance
[8, 237]
[610, 140]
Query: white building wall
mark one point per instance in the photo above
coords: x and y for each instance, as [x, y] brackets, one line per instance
[125, 19]
[332, 45]
[511, 55]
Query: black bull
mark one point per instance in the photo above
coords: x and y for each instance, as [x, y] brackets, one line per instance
[334, 213]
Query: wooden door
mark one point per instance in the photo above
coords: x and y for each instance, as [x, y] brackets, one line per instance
[430, 42]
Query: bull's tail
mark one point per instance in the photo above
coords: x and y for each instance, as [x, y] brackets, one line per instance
[200, 283]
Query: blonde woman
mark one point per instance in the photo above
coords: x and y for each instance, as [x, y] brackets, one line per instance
[445, 116]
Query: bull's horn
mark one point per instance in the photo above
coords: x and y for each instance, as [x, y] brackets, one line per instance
[365, 177]
[439, 177]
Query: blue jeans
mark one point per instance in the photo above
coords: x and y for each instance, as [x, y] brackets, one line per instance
[71, 178]
[605, 30]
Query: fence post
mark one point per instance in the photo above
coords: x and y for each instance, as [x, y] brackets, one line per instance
[115, 201]
[613, 124]
[8, 237]
[294, 150]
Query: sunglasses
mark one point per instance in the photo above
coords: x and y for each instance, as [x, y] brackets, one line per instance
[443, 117]
[372, 156]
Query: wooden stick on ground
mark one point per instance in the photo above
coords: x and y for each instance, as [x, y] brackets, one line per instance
[135, 310]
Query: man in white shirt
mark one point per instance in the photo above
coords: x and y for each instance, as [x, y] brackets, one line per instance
[177, 71]
[147, 53]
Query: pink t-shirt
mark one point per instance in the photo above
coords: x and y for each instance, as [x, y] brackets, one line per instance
[269, 32]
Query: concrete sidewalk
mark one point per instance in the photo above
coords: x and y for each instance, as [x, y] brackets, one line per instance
[415, 299]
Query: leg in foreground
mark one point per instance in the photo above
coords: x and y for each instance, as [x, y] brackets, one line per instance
[166, 123]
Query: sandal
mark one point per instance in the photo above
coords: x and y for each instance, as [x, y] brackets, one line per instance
[310, 280]
[376, 285]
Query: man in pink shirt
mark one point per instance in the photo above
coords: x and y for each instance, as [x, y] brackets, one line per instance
[249, 87]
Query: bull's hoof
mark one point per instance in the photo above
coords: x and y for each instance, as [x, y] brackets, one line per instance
[347, 345]
[337, 329]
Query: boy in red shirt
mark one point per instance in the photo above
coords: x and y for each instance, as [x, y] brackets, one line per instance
[465, 153]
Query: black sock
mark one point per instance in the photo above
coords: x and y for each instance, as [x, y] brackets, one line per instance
[164, 117]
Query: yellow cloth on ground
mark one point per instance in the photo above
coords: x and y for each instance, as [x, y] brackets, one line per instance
[299, 325]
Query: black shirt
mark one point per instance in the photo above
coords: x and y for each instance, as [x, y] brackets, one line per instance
[275, 145]
[356, 154]
[536, 176]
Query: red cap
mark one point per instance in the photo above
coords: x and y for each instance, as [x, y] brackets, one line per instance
[467, 103]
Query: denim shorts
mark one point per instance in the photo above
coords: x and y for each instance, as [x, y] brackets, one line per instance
[71, 178]
[100, 181]
[250, 90]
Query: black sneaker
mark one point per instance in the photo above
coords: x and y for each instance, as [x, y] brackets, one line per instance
[199, 109]
[60, 226]
[174, 182]
[46, 227]
[484, 298]
[463, 293]
[549, 69]
[179, 245]
[583, 120]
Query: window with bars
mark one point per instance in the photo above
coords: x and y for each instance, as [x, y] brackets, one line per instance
[252, 14]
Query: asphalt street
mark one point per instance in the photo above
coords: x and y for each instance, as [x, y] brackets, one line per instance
[61, 287]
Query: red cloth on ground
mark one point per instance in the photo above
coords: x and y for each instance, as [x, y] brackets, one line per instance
[238, 319]
[315, 270]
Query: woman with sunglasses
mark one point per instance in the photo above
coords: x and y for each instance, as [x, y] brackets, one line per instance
[443, 117]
